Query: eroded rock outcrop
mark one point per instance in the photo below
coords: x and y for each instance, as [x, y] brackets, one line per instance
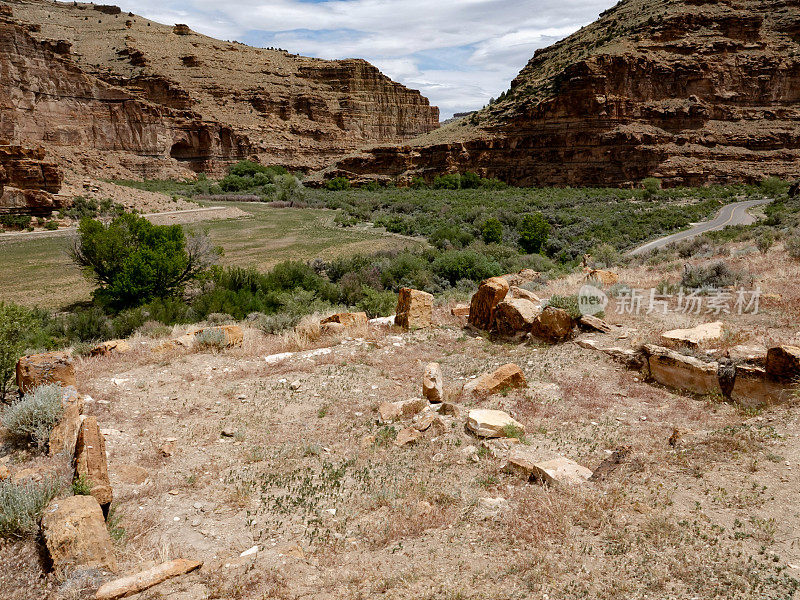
[690, 92]
[28, 182]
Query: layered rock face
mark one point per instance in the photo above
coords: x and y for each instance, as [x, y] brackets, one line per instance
[27, 181]
[112, 82]
[691, 92]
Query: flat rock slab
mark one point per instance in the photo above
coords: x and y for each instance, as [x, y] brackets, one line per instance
[50, 367]
[492, 423]
[681, 372]
[783, 363]
[347, 319]
[91, 462]
[505, 377]
[111, 347]
[560, 471]
[753, 388]
[594, 323]
[65, 433]
[391, 411]
[707, 333]
[133, 584]
[515, 316]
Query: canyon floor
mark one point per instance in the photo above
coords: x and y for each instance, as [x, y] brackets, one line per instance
[214, 453]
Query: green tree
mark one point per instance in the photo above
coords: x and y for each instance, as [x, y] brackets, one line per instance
[533, 232]
[15, 325]
[289, 188]
[470, 181]
[133, 261]
[492, 231]
[338, 184]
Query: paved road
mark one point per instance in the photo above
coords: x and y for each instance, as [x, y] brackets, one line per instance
[731, 214]
[71, 230]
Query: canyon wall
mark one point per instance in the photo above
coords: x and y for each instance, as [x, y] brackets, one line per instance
[693, 93]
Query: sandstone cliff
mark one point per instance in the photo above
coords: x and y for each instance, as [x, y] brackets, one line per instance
[77, 77]
[27, 181]
[692, 92]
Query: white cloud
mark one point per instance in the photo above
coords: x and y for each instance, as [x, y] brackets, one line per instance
[459, 53]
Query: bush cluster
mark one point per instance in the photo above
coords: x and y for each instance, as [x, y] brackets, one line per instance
[22, 504]
[32, 418]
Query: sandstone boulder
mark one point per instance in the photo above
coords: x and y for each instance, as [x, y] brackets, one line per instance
[347, 319]
[49, 367]
[391, 411]
[518, 292]
[783, 364]
[522, 461]
[110, 347]
[432, 383]
[232, 335]
[753, 387]
[133, 584]
[414, 309]
[481, 309]
[406, 436]
[91, 462]
[492, 423]
[707, 333]
[594, 324]
[681, 372]
[553, 324]
[460, 310]
[65, 433]
[507, 376]
[332, 328]
[515, 317]
[521, 278]
[560, 471]
[75, 534]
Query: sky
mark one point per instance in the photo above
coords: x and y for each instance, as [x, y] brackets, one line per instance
[458, 53]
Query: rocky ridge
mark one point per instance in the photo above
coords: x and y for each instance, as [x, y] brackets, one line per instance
[692, 92]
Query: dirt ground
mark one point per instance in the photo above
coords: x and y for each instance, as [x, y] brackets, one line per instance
[306, 473]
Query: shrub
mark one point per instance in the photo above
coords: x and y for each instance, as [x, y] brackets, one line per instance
[533, 232]
[567, 303]
[714, 275]
[15, 324]
[492, 231]
[418, 183]
[447, 182]
[82, 486]
[651, 186]
[235, 183]
[450, 236]
[606, 255]
[246, 168]
[22, 504]
[773, 186]
[376, 303]
[276, 323]
[764, 241]
[470, 181]
[15, 221]
[51, 225]
[33, 417]
[210, 338]
[454, 265]
[792, 244]
[88, 208]
[338, 184]
[89, 325]
[133, 261]
[288, 188]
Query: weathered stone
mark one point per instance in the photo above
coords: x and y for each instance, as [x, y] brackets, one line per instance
[425, 420]
[168, 447]
[681, 372]
[481, 309]
[391, 411]
[783, 364]
[414, 309]
[492, 423]
[460, 310]
[521, 278]
[129, 474]
[560, 471]
[553, 324]
[450, 409]
[753, 387]
[91, 462]
[432, 383]
[65, 433]
[707, 333]
[406, 436]
[110, 347]
[752, 353]
[332, 328]
[232, 334]
[594, 323]
[347, 319]
[604, 277]
[515, 317]
[507, 376]
[75, 534]
[133, 584]
[522, 460]
[518, 292]
[5, 472]
[39, 369]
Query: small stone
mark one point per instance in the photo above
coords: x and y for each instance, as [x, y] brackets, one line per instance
[407, 436]
[168, 447]
[432, 383]
[425, 421]
[492, 423]
[505, 377]
[295, 385]
[561, 471]
[249, 551]
[707, 333]
[228, 433]
[391, 411]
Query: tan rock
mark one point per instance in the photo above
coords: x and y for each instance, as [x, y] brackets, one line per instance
[5, 472]
[553, 324]
[522, 461]
[594, 323]
[753, 388]
[460, 310]
[507, 376]
[515, 317]
[133, 584]
[50, 367]
[414, 309]
[38, 473]
[65, 433]
[110, 347]
[783, 364]
[75, 534]
[481, 309]
[168, 447]
[130, 474]
[604, 277]
[449, 408]
[753, 353]
[425, 420]
[232, 334]
[702, 335]
[681, 372]
[347, 319]
[332, 328]
[391, 411]
[432, 383]
[91, 462]
[406, 436]
[521, 278]
[560, 471]
[518, 292]
[492, 423]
